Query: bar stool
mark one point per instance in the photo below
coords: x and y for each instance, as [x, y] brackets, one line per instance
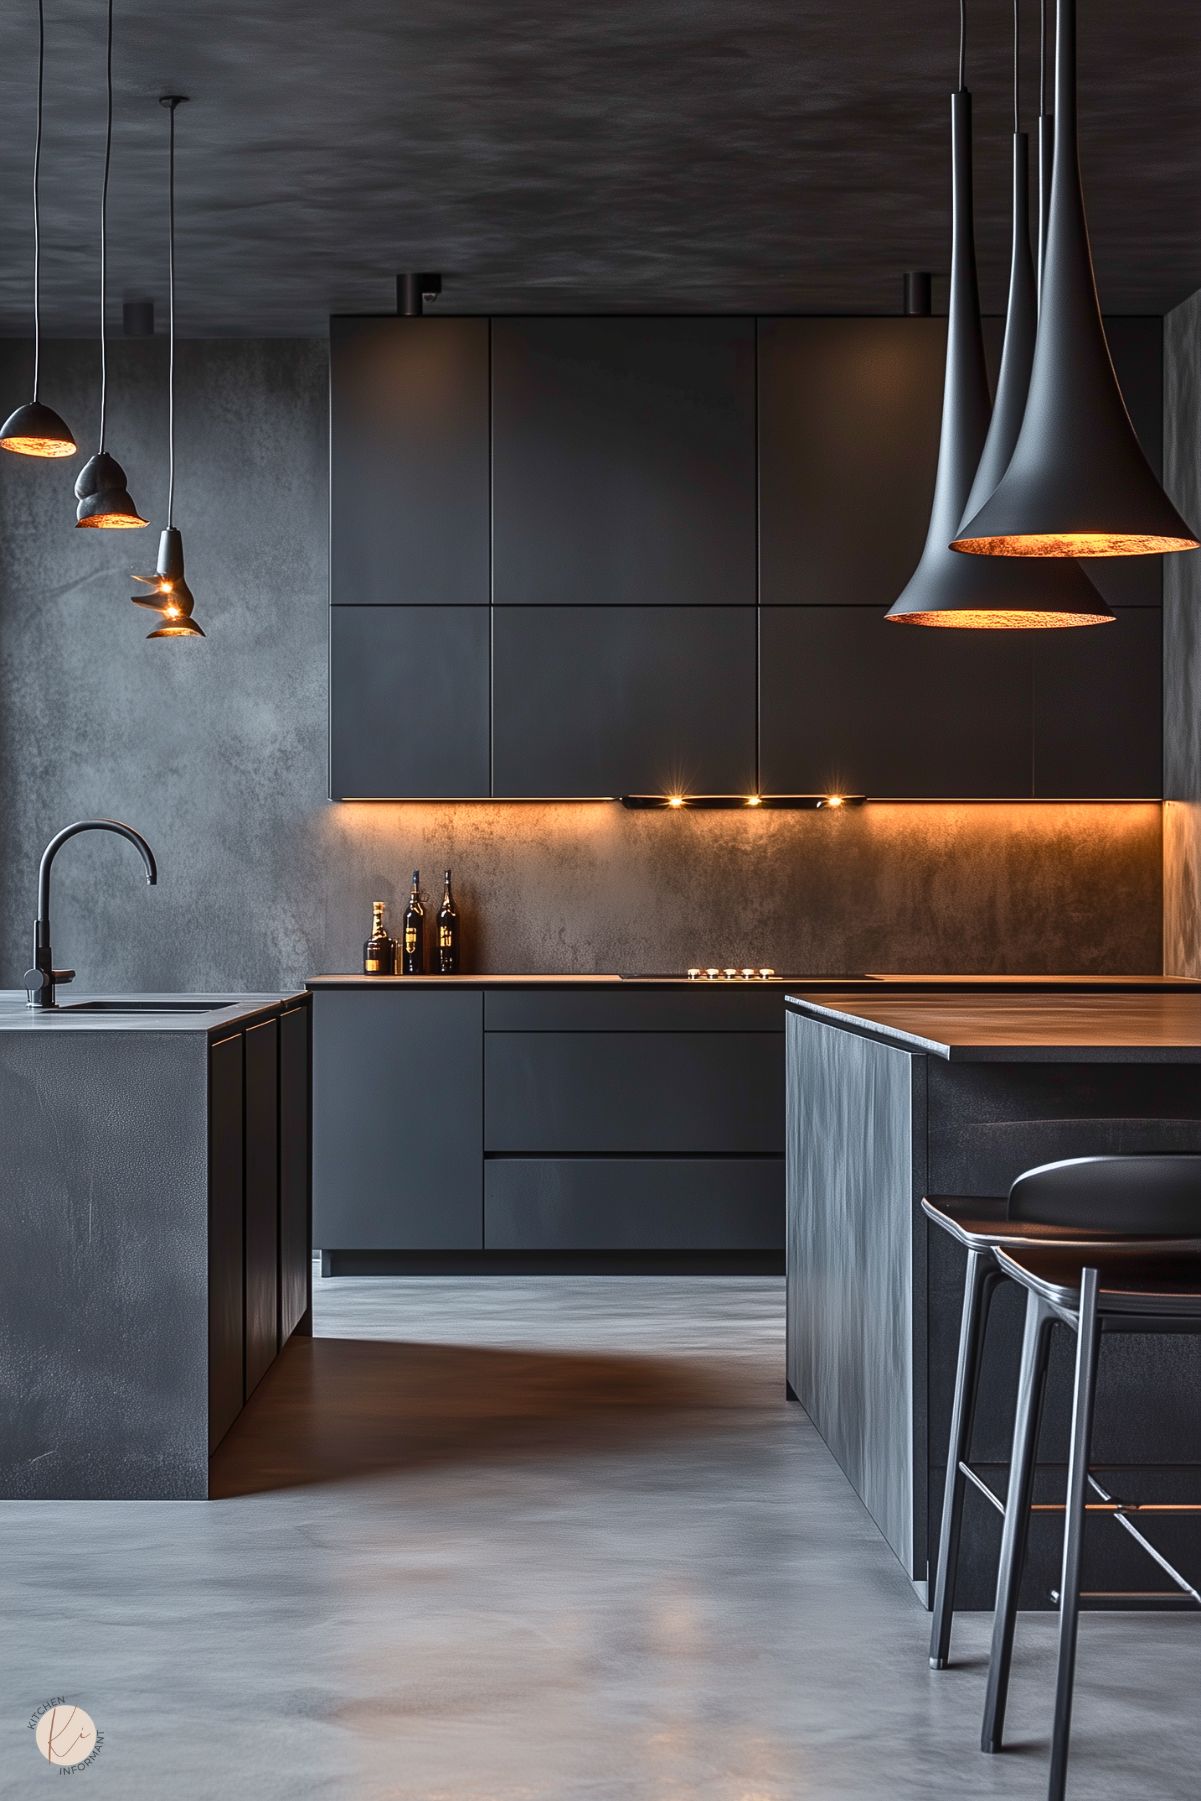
[1140, 1271]
[1034, 1214]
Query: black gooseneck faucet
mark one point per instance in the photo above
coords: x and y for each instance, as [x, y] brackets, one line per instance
[40, 981]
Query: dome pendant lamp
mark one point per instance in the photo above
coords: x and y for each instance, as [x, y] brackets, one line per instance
[104, 499]
[977, 593]
[35, 430]
[1078, 484]
[170, 597]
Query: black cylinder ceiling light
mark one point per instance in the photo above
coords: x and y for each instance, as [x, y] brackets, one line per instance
[170, 595]
[35, 429]
[1077, 484]
[973, 451]
[104, 498]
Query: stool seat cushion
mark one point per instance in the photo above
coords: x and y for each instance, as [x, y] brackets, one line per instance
[1159, 1284]
[981, 1221]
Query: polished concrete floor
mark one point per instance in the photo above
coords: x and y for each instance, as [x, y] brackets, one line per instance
[539, 1540]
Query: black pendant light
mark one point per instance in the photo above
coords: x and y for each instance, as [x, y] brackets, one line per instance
[1078, 484]
[35, 430]
[170, 597]
[993, 596]
[104, 499]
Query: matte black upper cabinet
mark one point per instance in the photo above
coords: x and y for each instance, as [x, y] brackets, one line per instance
[623, 462]
[408, 703]
[409, 462]
[849, 412]
[602, 701]
[894, 711]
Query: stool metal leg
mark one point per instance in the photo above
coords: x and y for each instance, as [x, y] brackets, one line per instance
[1087, 1350]
[980, 1280]
[1031, 1381]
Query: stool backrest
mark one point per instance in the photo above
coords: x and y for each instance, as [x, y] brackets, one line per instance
[1145, 1196]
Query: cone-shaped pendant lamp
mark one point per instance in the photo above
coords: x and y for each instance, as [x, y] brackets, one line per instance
[35, 429]
[1009, 596]
[1078, 484]
[170, 595]
[104, 498]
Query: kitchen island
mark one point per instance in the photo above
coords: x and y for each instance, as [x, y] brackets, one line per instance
[154, 1235]
[898, 1094]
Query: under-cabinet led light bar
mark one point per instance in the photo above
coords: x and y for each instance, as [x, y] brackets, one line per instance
[730, 803]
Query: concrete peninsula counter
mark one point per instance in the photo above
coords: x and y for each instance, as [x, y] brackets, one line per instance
[898, 1094]
[154, 1233]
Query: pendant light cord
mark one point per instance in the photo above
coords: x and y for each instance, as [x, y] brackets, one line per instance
[1017, 111]
[1042, 56]
[37, 224]
[962, 45]
[171, 322]
[108, 156]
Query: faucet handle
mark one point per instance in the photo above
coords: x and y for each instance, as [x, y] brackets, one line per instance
[38, 981]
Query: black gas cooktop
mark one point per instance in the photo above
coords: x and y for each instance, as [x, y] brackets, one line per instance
[743, 978]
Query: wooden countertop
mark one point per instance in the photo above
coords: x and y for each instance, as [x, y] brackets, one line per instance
[1162, 1025]
[801, 984]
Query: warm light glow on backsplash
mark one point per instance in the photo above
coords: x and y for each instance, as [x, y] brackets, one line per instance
[964, 886]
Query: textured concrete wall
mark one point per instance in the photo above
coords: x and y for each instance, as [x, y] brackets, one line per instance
[217, 751]
[1182, 646]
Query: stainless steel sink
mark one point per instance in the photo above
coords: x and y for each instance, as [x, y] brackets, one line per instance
[145, 1006]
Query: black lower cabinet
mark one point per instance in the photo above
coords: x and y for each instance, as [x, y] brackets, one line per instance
[398, 1120]
[590, 702]
[660, 1093]
[226, 1247]
[295, 1179]
[654, 1204]
[260, 1246]
[554, 1122]
[262, 1200]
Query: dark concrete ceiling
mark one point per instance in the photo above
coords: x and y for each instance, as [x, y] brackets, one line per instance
[568, 154]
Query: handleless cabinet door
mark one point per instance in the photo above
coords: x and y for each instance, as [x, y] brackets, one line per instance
[849, 414]
[1098, 709]
[623, 462]
[852, 703]
[398, 1120]
[596, 701]
[295, 1236]
[226, 1248]
[409, 703]
[409, 462]
[262, 1200]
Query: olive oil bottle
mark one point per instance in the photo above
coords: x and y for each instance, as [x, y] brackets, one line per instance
[379, 952]
[412, 942]
[448, 933]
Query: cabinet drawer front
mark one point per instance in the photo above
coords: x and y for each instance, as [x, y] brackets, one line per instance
[619, 1204]
[697, 1008]
[685, 1092]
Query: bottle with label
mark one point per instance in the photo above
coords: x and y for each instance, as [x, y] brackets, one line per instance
[412, 942]
[448, 933]
[379, 952]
